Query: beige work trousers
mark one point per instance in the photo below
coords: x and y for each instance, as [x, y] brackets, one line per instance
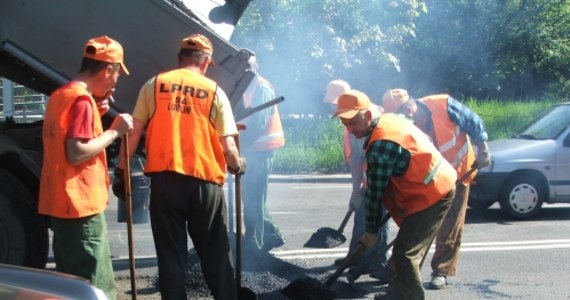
[448, 240]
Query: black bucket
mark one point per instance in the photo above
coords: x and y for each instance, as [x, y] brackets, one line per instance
[140, 185]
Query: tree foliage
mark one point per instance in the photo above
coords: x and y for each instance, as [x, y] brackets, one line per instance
[303, 44]
[512, 49]
[488, 48]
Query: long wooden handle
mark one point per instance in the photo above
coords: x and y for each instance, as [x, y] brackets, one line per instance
[238, 209]
[351, 256]
[129, 208]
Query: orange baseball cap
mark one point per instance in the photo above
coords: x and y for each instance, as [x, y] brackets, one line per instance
[350, 103]
[394, 99]
[106, 50]
[200, 43]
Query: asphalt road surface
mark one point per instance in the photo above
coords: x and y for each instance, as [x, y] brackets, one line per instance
[500, 258]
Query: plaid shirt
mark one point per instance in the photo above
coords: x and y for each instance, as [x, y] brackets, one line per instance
[384, 159]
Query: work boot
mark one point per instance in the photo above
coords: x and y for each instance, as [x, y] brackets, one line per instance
[339, 262]
[273, 241]
[383, 296]
[438, 282]
[384, 275]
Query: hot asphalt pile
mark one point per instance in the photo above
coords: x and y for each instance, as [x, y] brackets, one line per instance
[270, 278]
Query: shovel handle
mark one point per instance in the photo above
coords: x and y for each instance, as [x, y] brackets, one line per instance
[345, 220]
[129, 209]
[239, 217]
[466, 175]
[353, 254]
[346, 262]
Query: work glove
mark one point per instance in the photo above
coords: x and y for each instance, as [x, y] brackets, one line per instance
[242, 167]
[483, 158]
[356, 199]
[368, 240]
[119, 184]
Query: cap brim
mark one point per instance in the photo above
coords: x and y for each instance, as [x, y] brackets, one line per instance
[124, 68]
[347, 114]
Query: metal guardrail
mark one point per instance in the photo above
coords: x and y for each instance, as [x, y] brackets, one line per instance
[29, 106]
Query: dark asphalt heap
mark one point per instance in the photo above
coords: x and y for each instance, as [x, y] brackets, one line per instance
[267, 276]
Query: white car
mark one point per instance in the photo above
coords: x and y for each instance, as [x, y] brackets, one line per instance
[529, 169]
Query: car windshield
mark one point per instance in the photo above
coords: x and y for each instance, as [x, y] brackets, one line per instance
[548, 125]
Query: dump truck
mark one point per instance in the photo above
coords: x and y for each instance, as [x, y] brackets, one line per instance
[40, 47]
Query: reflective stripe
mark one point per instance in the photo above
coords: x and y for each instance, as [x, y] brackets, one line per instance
[432, 172]
[461, 154]
[451, 143]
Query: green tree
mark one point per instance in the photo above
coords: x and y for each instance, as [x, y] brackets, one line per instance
[301, 45]
[487, 48]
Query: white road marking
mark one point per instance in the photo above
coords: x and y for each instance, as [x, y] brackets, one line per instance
[465, 247]
[314, 253]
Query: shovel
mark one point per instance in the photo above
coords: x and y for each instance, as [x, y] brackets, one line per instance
[326, 237]
[243, 292]
[355, 272]
[129, 209]
[311, 288]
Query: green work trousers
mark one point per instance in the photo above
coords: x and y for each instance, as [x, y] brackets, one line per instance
[81, 247]
[411, 246]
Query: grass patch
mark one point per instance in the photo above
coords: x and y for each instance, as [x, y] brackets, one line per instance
[314, 145]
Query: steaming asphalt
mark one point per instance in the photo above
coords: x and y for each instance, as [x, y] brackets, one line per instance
[500, 259]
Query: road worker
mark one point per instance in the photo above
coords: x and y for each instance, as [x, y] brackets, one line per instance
[74, 184]
[407, 175]
[452, 127]
[190, 132]
[356, 160]
[263, 135]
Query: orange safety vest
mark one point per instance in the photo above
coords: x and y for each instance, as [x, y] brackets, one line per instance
[450, 139]
[180, 136]
[273, 136]
[68, 191]
[429, 176]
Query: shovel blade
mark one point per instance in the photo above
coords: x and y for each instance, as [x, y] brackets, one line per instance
[325, 237]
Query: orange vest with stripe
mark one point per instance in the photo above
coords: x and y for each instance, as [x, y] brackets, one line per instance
[273, 136]
[429, 176]
[68, 191]
[180, 136]
[450, 140]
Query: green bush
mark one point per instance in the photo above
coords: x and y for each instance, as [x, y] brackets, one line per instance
[315, 144]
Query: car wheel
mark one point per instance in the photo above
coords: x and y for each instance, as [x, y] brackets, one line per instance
[522, 197]
[24, 236]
